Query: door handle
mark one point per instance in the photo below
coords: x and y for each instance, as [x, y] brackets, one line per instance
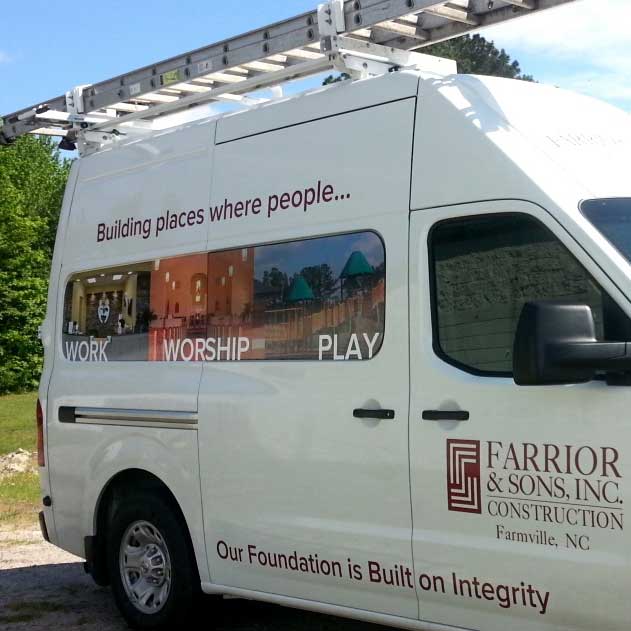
[379, 414]
[445, 415]
[67, 414]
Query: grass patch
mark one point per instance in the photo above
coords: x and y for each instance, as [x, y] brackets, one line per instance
[19, 493]
[17, 422]
[19, 499]
[20, 487]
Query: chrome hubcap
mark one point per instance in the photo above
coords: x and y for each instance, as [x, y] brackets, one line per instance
[145, 567]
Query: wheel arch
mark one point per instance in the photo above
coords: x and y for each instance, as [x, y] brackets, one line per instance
[122, 485]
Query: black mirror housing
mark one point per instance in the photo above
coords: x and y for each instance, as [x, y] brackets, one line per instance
[545, 327]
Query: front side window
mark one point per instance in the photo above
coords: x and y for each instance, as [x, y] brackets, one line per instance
[612, 218]
[485, 268]
[318, 299]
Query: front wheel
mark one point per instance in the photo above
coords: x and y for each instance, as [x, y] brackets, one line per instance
[152, 570]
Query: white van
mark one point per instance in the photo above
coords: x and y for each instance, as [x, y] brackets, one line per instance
[282, 349]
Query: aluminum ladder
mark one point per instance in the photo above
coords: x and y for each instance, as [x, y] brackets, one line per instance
[361, 37]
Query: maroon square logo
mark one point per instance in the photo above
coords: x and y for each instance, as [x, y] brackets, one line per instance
[464, 484]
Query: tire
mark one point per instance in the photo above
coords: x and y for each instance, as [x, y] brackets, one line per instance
[154, 579]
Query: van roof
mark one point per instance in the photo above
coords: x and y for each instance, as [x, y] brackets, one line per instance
[312, 104]
[558, 117]
[493, 136]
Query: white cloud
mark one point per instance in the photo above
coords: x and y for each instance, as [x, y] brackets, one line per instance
[610, 87]
[4, 57]
[571, 28]
[584, 45]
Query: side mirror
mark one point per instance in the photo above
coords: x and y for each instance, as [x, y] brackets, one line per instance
[555, 343]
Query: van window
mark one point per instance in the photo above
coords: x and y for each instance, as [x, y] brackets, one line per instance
[317, 299]
[612, 217]
[484, 270]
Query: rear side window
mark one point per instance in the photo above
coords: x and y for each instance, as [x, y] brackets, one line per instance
[484, 269]
[314, 299]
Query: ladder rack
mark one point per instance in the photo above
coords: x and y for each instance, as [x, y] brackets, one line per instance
[361, 37]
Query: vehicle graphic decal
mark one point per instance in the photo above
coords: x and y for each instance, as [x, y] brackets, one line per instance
[463, 476]
[575, 487]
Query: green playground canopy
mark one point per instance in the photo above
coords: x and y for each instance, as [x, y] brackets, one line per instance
[357, 265]
[300, 290]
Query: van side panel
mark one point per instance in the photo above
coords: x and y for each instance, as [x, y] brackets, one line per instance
[318, 104]
[168, 173]
[285, 465]
[48, 332]
[140, 182]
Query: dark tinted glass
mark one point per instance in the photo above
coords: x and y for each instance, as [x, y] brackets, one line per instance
[612, 217]
[485, 269]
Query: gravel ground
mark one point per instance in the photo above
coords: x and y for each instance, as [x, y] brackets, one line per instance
[43, 588]
[17, 462]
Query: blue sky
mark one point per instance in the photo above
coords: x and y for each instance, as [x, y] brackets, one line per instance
[47, 48]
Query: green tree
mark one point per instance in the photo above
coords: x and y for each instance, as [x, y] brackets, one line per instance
[320, 279]
[275, 278]
[335, 78]
[32, 181]
[477, 55]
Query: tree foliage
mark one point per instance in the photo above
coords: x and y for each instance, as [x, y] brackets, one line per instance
[32, 181]
[343, 76]
[320, 278]
[477, 55]
[275, 279]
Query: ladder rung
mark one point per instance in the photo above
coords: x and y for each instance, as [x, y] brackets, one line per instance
[455, 13]
[154, 97]
[364, 34]
[50, 131]
[224, 77]
[264, 66]
[128, 107]
[401, 29]
[304, 53]
[238, 71]
[191, 88]
[531, 5]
